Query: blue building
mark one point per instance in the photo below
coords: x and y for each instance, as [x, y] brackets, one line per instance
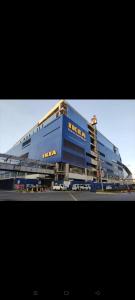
[78, 150]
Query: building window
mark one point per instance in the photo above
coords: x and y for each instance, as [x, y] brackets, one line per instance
[72, 146]
[109, 171]
[90, 155]
[92, 147]
[120, 169]
[92, 139]
[26, 143]
[102, 154]
[91, 165]
[77, 170]
[100, 143]
[108, 164]
[76, 160]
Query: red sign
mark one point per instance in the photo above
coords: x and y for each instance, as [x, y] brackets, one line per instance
[19, 186]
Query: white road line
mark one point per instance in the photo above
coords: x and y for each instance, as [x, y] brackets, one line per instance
[74, 198]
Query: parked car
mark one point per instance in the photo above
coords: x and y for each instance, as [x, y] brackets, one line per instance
[108, 187]
[60, 187]
[75, 187]
[85, 187]
[81, 187]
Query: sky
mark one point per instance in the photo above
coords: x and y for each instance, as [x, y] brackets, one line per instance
[116, 120]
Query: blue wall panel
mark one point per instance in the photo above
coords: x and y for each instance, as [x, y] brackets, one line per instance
[46, 139]
[77, 118]
[75, 139]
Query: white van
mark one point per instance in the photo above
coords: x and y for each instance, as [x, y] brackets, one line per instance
[85, 187]
[108, 187]
[75, 187]
[60, 187]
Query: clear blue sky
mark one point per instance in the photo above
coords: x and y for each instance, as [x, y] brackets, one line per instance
[116, 120]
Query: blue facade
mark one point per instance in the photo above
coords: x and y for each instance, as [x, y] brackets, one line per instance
[76, 117]
[75, 155]
[53, 137]
[44, 140]
[110, 157]
[71, 148]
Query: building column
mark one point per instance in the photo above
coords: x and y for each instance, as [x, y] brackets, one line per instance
[67, 171]
[57, 169]
[85, 173]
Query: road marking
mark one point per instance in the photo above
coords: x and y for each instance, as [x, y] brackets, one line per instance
[104, 193]
[74, 198]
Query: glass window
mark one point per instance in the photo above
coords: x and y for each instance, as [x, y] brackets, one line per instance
[76, 160]
[72, 146]
[102, 154]
[27, 143]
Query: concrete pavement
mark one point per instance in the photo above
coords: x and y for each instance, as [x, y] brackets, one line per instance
[65, 196]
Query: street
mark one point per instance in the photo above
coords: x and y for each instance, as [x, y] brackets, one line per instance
[65, 196]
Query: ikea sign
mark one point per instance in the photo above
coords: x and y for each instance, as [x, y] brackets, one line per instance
[76, 130]
[49, 154]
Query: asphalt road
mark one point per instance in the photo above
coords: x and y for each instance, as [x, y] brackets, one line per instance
[65, 196]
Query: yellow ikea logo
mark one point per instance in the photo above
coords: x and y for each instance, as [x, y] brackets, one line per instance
[76, 130]
[49, 154]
